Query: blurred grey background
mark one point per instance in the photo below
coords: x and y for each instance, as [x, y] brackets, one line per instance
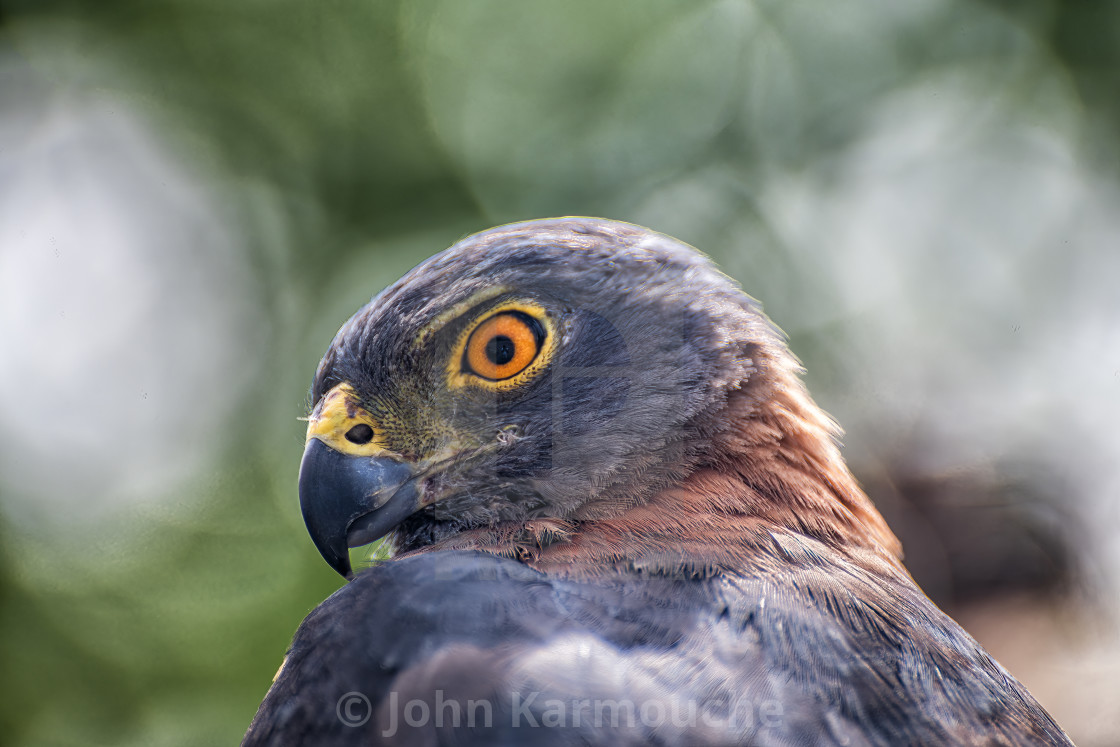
[195, 195]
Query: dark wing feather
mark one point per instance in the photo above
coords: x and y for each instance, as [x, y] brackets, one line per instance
[810, 650]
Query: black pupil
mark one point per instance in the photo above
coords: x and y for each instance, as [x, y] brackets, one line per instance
[360, 434]
[500, 350]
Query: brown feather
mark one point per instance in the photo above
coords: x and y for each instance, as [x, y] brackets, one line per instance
[770, 467]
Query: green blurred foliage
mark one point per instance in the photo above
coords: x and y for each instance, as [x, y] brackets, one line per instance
[350, 139]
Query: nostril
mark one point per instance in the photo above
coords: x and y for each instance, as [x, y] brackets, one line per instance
[360, 434]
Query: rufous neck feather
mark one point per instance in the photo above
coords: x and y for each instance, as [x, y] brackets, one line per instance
[772, 467]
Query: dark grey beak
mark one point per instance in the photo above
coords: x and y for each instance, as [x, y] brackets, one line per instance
[349, 501]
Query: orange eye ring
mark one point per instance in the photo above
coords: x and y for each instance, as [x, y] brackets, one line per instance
[503, 346]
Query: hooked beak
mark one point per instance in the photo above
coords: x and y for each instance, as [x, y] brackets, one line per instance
[349, 501]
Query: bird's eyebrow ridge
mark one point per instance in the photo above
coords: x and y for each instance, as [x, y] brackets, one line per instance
[457, 310]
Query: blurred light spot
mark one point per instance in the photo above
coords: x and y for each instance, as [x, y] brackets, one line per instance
[560, 106]
[124, 306]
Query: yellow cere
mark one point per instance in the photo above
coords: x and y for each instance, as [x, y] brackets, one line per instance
[468, 365]
[337, 414]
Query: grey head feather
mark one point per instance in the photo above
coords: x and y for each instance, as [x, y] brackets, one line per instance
[651, 337]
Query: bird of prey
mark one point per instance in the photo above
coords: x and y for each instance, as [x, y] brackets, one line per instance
[616, 517]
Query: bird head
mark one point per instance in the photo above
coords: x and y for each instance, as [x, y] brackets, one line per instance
[555, 369]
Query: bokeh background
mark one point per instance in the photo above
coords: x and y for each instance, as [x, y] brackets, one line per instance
[195, 194]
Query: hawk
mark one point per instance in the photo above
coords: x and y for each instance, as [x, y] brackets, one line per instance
[616, 517]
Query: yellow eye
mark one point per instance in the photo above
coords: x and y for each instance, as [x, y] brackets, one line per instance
[503, 346]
